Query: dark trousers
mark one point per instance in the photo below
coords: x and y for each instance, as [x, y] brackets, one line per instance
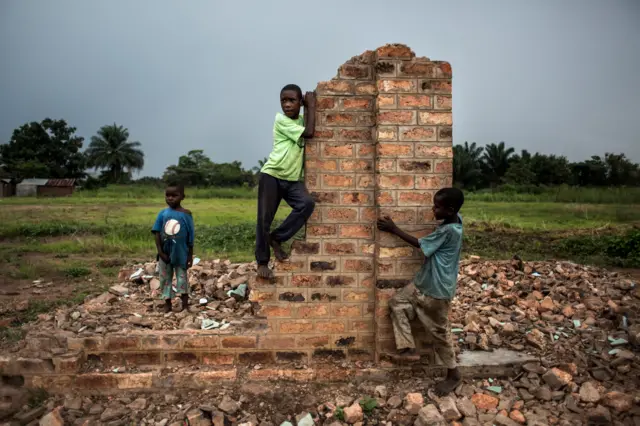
[270, 192]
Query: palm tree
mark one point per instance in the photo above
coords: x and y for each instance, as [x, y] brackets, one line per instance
[466, 165]
[496, 160]
[111, 150]
[261, 164]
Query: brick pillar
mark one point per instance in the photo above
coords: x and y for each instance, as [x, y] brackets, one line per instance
[382, 146]
[413, 160]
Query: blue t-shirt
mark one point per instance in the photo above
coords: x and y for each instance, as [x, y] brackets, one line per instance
[438, 275]
[176, 246]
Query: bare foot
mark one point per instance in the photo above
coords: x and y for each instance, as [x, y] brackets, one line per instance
[264, 272]
[449, 384]
[278, 251]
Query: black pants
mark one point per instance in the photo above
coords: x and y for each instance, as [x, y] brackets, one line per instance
[270, 192]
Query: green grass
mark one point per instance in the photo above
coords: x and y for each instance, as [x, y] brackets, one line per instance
[559, 194]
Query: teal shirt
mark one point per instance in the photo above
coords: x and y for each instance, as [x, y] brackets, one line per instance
[287, 157]
[438, 275]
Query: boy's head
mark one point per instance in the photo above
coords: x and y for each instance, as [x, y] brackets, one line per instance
[174, 194]
[447, 203]
[291, 100]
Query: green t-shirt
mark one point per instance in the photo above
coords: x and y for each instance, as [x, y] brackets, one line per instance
[438, 275]
[287, 157]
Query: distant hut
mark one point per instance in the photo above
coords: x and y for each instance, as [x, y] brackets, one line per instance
[45, 187]
[7, 188]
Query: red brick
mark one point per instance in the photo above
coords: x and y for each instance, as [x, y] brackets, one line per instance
[202, 379]
[217, 358]
[433, 151]
[435, 118]
[305, 247]
[368, 214]
[338, 150]
[356, 295]
[289, 266]
[414, 166]
[395, 252]
[395, 181]
[366, 89]
[395, 150]
[386, 101]
[340, 119]
[325, 103]
[321, 230]
[175, 359]
[415, 198]
[322, 165]
[418, 133]
[295, 327]
[385, 198]
[337, 181]
[324, 197]
[404, 216]
[436, 86]
[261, 296]
[442, 102]
[356, 231]
[336, 214]
[357, 104]
[409, 267]
[340, 281]
[90, 344]
[387, 134]
[121, 343]
[311, 180]
[354, 71]
[443, 69]
[256, 357]
[415, 101]
[422, 69]
[357, 265]
[299, 280]
[397, 117]
[425, 215]
[360, 325]
[244, 342]
[347, 310]
[339, 248]
[366, 120]
[385, 268]
[270, 374]
[356, 165]
[276, 311]
[313, 311]
[312, 341]
[198, 342]
[320, 134]
[444, 166]
[396, 86]
[355, 134]
[394, 51]
[445, 134]
[366, 150]
[367, 249]
[385, 165]
[330, 326]
[355, 198]
[365, 182]
[335, 87]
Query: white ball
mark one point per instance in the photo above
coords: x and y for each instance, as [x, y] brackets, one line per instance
[172, 227]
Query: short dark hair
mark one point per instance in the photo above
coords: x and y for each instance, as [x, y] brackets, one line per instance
[176, 185]
[293, 87]
[451, 197]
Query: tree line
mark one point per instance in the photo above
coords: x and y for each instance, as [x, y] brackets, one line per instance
[476, 167]
[51, 149]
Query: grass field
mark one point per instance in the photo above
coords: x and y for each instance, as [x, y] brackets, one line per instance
[79, 243]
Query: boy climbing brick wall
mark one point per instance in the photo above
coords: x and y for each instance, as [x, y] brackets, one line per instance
[382, 146]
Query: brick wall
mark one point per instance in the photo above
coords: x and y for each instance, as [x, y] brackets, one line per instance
[382, 147]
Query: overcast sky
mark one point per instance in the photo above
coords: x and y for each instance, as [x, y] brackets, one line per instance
[551, 76]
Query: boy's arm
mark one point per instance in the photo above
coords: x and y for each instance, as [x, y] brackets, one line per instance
[190, 239]
[386, 224]
[161, 254]
[309, 115]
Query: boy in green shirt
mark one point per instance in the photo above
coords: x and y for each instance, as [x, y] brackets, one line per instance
[282, 177]
[429, 295]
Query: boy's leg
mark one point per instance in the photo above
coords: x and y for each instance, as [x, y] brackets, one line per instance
[166, 276]
[302, 205]
[268, 202]
[434, 315]
[402, 310]
[182, 285]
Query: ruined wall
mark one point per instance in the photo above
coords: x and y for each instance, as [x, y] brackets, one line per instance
[382, 147]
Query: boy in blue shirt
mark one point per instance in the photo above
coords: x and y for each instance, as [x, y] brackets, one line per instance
[429, 295]
[174, 235]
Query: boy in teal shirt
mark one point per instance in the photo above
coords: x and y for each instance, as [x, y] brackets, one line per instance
[282, 177]
[429, 295]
